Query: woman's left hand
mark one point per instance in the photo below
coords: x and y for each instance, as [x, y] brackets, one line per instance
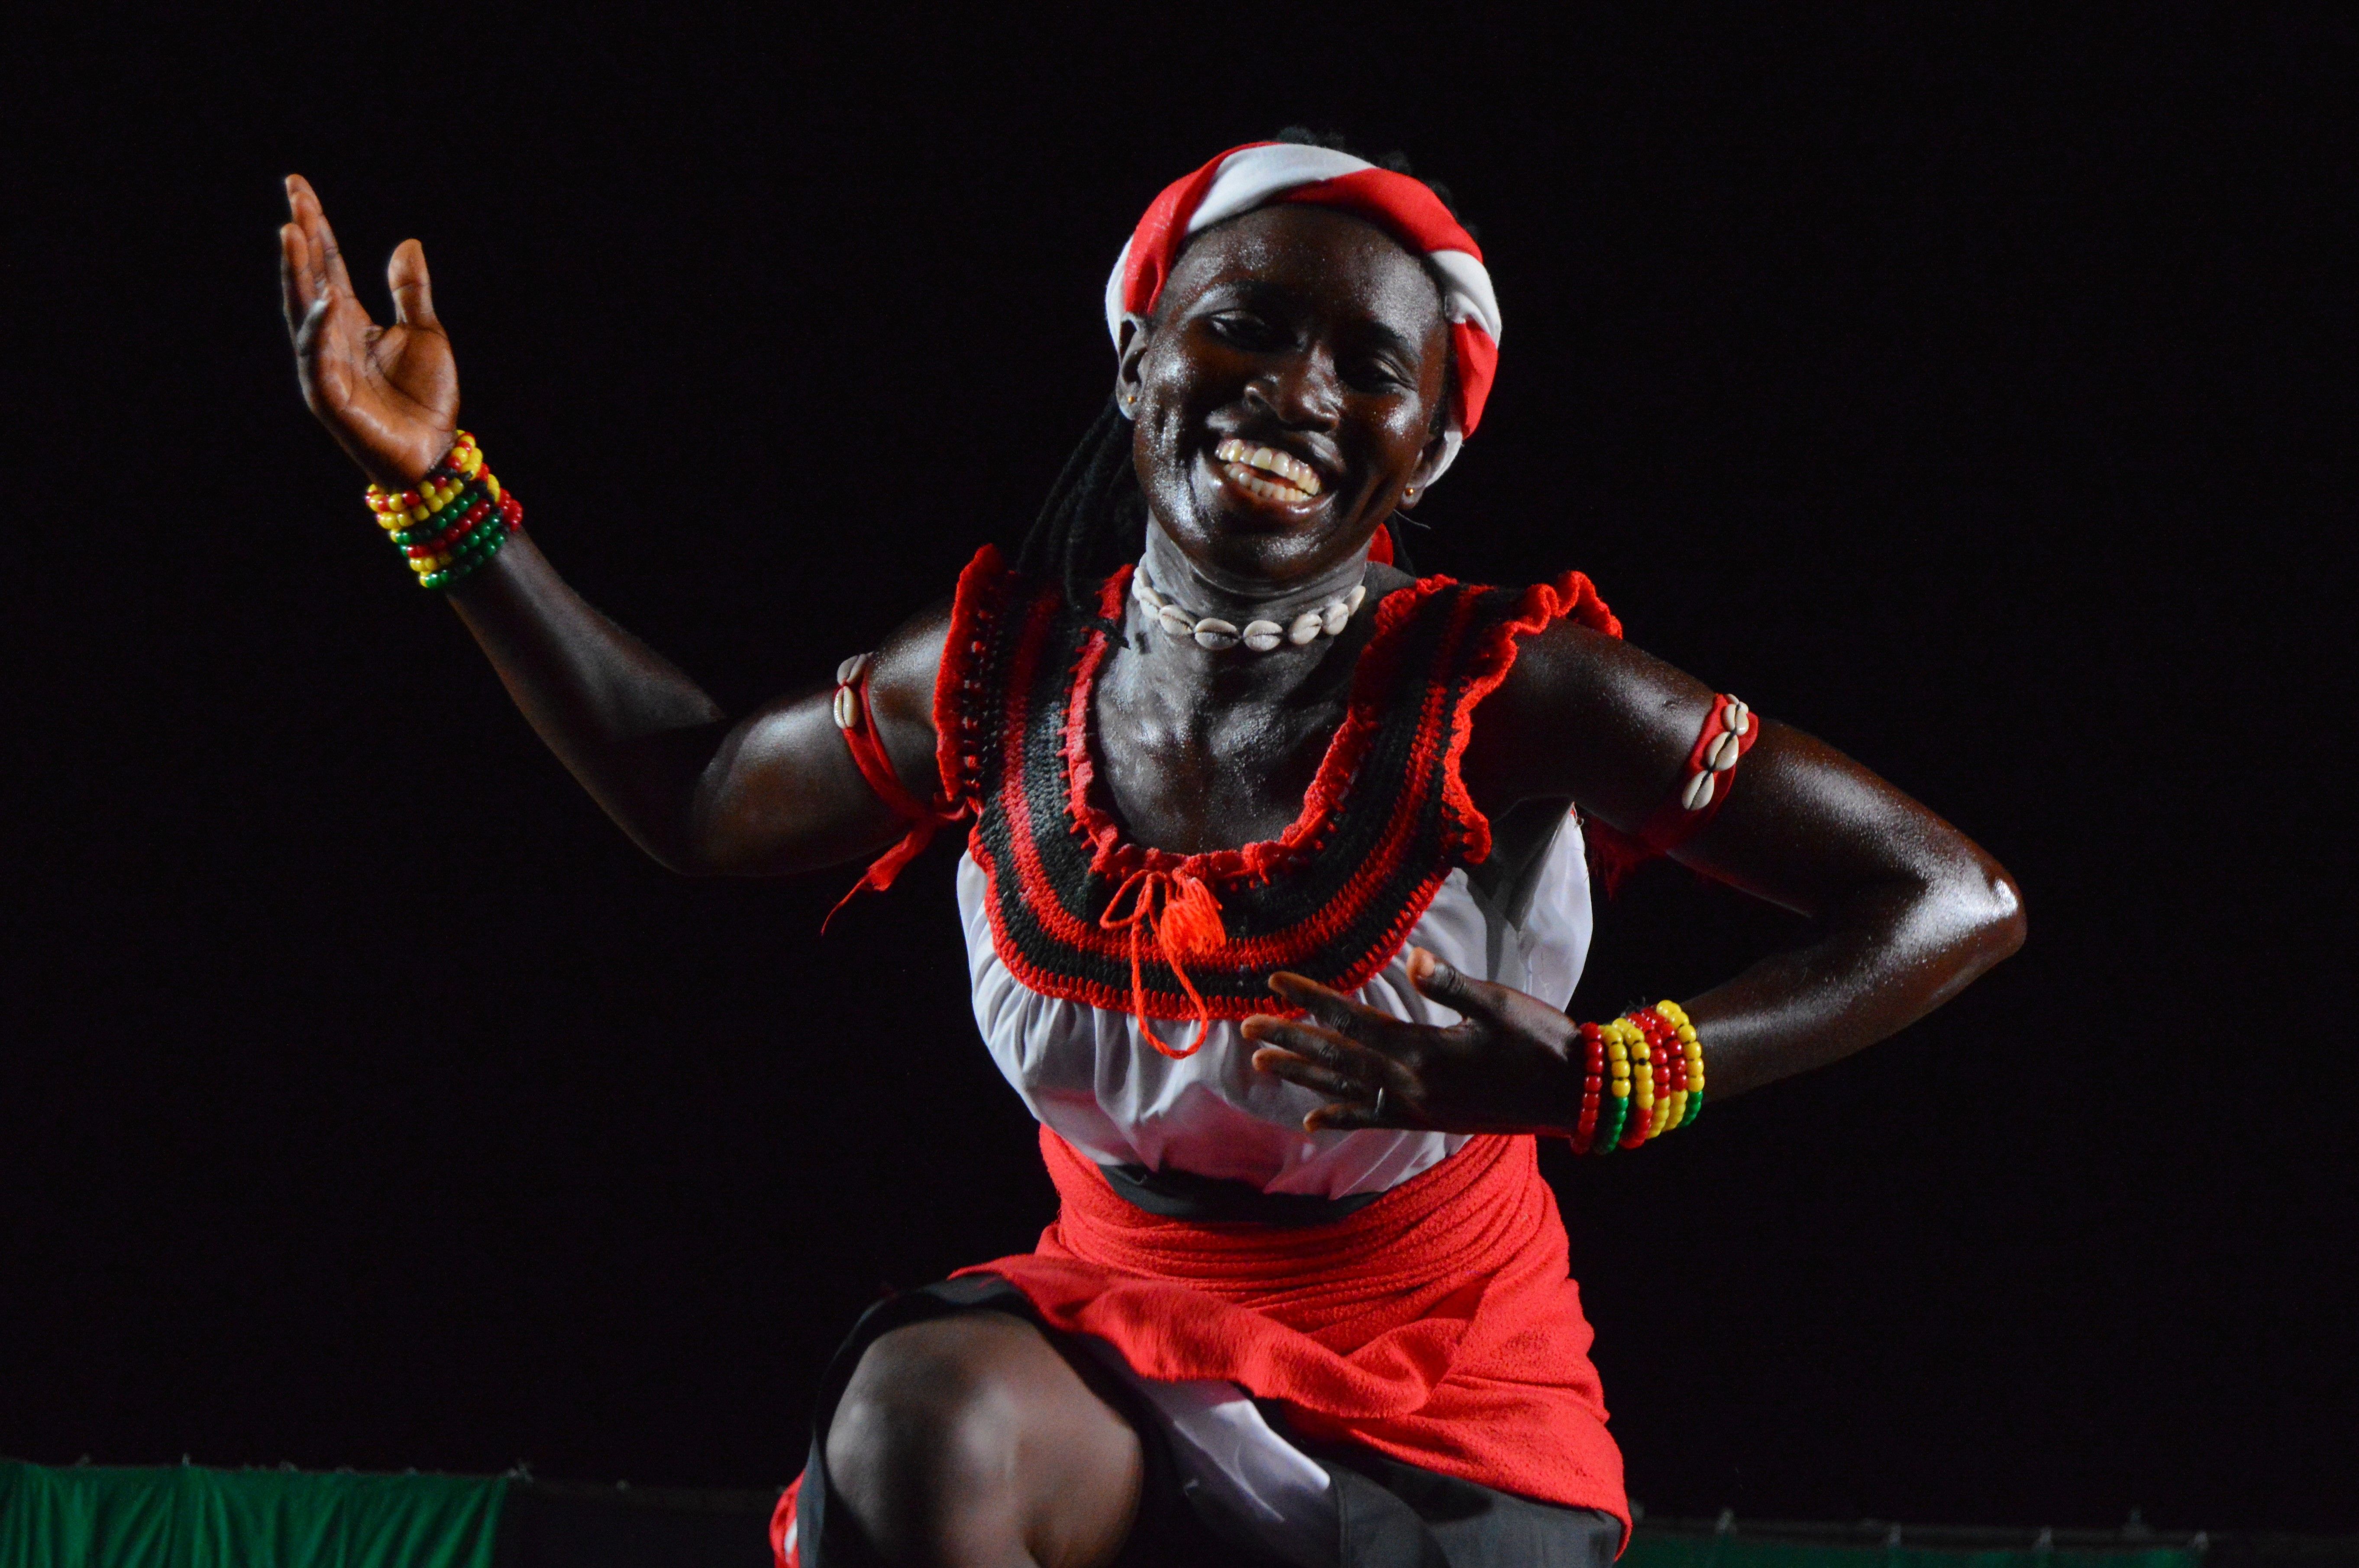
[1513, 1066]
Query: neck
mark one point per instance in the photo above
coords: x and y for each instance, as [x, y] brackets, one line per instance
[1177, 578]
[1178, 667]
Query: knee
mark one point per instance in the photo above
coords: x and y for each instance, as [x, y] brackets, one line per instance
[921, 1448]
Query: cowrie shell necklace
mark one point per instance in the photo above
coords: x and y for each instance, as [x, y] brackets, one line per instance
[1261, 637]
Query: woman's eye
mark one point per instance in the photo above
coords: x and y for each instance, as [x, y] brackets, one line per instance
[1243, 328]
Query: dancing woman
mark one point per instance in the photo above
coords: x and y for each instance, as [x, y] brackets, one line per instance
[1276, 877]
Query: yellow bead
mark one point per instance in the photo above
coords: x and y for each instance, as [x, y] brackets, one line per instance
[1619, 1088]
[421, 568]
[493, 485]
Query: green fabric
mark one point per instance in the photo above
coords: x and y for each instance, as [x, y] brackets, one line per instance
[98, 1517]
[1647, 1550]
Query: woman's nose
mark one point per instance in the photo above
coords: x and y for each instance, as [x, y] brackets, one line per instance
[1303, 391]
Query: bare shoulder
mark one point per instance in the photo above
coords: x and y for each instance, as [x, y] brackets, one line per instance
[901, 685]
[901, 694]
[1586, 716]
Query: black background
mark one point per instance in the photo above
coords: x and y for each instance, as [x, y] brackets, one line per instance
[1954, 387]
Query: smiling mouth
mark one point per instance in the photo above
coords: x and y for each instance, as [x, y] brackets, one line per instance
[1270, 474]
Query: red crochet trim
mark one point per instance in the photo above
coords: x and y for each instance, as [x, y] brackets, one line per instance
[1112, 856]
[977, 605]
[1544, 604]
[1351, 917]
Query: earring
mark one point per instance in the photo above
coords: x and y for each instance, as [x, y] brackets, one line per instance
[1408, 491]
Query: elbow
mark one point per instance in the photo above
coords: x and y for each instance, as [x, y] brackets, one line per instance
[681, 850]
[1999, 922]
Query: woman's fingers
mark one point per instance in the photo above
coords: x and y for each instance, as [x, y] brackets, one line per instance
[328, 261]
[413, 293]
[294, 291]
[1333, 1008]
[1458, 991]
[1330, 1049]
[1296, 1069]
[1351, 1102]
[1349, 1116]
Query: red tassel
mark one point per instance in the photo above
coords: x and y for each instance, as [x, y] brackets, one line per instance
[1190, 925]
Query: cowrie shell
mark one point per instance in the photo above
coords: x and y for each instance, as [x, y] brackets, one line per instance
[847, 709]
[1697, 795]
[1307, 625]
[852, 669]
[1722, 754]
[1261, 637]
[1213, 633]
[1175, 620]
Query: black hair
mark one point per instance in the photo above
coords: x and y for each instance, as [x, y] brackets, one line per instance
[1095, 517]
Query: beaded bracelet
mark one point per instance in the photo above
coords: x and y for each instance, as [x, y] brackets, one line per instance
[1644, 1077]
[456, 520]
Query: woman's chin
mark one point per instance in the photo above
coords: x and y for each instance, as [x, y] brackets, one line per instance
[1250, 547]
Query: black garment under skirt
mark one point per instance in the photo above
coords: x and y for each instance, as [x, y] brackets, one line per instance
[1393, 1515]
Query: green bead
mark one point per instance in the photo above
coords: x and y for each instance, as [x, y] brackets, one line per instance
[1610, 1127]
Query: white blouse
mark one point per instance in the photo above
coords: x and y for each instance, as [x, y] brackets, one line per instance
[1085, 1072]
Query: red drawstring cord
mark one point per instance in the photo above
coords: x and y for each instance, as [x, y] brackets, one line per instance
[858, 726]
[1187, 924]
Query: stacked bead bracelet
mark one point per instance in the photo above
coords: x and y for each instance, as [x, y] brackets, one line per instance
[1644, 1077]
[1261, 637]
[455, 521]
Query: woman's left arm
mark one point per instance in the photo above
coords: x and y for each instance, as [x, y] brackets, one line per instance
[1908, 909]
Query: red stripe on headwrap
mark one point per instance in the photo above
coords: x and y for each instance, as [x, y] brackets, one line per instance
[1156, 243]
[1402, 206]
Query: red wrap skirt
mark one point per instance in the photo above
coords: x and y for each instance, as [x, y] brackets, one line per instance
[1437, 1325]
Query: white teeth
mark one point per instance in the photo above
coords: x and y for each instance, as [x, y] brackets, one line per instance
[1299, 477]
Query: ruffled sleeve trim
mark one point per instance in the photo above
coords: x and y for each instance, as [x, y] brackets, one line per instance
[1571, 597]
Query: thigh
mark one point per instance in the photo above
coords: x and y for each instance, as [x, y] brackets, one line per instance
[968, 1438]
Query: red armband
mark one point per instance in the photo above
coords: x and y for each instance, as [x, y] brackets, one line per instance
[859, 737]
[1705, 781]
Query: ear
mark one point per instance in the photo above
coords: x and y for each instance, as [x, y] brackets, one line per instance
[1439, 454]
[1130, 347]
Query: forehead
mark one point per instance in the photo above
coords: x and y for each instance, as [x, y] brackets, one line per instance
[1323, 259]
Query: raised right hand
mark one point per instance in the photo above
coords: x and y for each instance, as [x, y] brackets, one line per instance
[388, 394]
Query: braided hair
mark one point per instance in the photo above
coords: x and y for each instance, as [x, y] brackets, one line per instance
[1095, 516]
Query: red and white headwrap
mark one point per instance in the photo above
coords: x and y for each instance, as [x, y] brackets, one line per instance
[1262, 173]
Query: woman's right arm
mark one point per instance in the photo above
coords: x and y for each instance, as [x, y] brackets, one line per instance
[773, 792]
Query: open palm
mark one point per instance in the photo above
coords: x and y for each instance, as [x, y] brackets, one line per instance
[388, 394]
